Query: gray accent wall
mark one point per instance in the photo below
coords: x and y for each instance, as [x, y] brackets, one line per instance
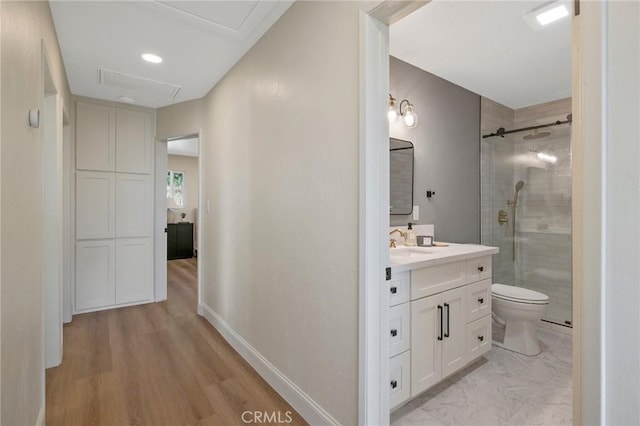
[447, 151]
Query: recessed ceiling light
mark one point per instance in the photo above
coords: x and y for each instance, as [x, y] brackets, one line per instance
[150, 57]
[543, 16]
[127, 99]
[552, 15]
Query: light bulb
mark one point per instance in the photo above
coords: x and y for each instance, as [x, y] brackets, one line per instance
[410, 117]
[392, 115]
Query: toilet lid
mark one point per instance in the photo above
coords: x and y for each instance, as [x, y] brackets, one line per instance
[511, 292]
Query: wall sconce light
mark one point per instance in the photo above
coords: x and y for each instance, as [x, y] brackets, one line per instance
[408, 115]
[391, 110]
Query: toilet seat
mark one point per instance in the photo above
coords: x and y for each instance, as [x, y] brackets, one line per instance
[518, 294]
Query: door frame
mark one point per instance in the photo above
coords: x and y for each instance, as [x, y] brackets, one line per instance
[373, 303]
[160, 214]
[53, 255]
[373, 390]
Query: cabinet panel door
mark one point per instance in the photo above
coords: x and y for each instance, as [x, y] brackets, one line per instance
[426, 349]
[134, 267]
[95, 205]
[133, 141]
[400, 379]
[134, 205]
[478, 337]
[399, 288]
[455, 326]
[95, 280]
[95, 137]
[400, 329]
[478, 300]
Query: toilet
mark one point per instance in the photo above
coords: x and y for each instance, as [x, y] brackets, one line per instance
[519, 310]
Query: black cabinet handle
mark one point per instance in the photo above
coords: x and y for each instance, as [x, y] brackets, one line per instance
[480, 300]
[394, 332]
[446, 305]
[394, 290]
[394, 384]
[441, 320]
[481, 338]
[481, 268]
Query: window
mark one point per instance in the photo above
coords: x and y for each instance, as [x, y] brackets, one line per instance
[175, 187]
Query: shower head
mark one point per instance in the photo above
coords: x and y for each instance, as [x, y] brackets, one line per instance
[536, 135]
[519, 186]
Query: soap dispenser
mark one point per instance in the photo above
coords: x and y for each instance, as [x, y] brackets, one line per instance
[410, 237]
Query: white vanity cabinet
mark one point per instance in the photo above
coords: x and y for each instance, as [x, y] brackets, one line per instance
[450, 323]
[438, 338]
[399, 338]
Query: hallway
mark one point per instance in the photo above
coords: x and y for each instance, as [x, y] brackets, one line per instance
[155, 364]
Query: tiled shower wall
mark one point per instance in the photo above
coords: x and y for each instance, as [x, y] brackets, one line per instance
[543, 232]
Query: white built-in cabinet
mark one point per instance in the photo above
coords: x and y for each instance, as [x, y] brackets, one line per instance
[95, 205]
[95, 137]
[133, 141]
[114, 207]
[448, 307]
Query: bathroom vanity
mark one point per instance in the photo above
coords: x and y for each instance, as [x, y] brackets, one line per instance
[440, 314]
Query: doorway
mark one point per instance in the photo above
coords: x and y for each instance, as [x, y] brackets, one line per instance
[178, 175]
[374, 308]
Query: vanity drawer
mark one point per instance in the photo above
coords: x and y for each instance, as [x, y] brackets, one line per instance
[478, 337]
[399, 288]
[478, 300]
[400, 379]
[436, 279]
[478, 269]
[399, 329]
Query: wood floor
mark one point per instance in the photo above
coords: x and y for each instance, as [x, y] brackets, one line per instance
[156, 364]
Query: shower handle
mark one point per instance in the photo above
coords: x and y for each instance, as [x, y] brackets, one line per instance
[502, 217]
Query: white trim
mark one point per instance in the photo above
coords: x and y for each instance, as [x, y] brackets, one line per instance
[373, 362]
[40, 419]
[310, 410]
[160, 220]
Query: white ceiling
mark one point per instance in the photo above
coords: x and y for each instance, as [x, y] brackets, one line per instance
[487, 48]
[199, 41]
[189, 147]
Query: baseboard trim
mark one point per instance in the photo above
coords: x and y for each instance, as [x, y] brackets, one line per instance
[310, 410]
[40, 420]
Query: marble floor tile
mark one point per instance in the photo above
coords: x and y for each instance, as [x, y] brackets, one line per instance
[502, 388]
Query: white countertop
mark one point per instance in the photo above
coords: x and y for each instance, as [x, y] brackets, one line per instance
[405, 258]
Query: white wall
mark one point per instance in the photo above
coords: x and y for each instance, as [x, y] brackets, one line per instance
[24, 25]
[280, 153]
[181, 119]
[189, 165]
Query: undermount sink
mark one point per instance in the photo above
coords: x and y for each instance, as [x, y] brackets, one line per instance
[414, 252]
